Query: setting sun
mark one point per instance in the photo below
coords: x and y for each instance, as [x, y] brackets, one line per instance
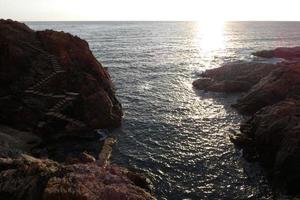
[139, 99]
[211, 35]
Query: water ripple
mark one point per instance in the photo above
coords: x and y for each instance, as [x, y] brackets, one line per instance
[174, 134]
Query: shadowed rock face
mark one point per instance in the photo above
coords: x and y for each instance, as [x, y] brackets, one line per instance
[53, 88]
[271, 96]
[272, 136]
[50, 81]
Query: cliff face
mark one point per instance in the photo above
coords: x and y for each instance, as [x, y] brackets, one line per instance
[272, 137]
[271, 97]
[53, 92]
[50, 82]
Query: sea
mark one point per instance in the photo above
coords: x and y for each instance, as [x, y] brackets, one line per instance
[175, 135]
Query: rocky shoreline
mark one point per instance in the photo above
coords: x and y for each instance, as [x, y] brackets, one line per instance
[53, 94]
[271, 99]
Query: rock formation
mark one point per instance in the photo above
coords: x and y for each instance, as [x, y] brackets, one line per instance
[276, 86]
[51, 82]
[53, 93]
[28, 178]
[272, 98]
[288, 53]
[234, 77]
[272, 137]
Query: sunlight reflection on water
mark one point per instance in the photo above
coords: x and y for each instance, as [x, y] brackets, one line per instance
[174, 134]
[211, 36]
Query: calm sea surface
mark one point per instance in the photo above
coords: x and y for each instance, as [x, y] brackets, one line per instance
[176, 135]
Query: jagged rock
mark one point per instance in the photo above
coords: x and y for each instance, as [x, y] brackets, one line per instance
[37, 69]
[274, 140]
[272, 135]
[28, 178]
[289, 53]
[53, 88]
[234, 77]
[278, 85]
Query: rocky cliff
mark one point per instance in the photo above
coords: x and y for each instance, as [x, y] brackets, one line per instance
[51, 82]
[271, 95]
[53, 93]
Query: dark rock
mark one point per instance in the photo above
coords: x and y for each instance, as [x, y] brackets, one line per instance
[264, 54]
[288, 53]
[274, 138]
[272, 135]
[55, 91]
[232, 78]
[278, 85]
[40, 69]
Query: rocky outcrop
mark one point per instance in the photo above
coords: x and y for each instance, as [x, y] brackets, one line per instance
[288, 53]
[80, 176]
[25, 177]
[277, 86]
[272, 137]
[51, 82]
[53, 93]
[272, 99]
[234, 77]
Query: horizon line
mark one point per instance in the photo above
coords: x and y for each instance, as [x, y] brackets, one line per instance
[153, 20]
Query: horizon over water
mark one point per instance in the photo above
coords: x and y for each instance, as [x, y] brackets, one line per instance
[174, 134]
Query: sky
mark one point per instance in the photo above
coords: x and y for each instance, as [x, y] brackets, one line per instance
[194, 10]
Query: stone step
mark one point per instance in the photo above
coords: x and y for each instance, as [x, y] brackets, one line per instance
[59, 96]
[44, 80]
[63, 117]
[72, 93]
[60, 71]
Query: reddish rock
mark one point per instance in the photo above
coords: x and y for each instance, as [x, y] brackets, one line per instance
[40, 69]
[53, 87]
[25, 178]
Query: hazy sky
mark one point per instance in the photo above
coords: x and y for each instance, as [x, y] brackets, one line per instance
[201, 10]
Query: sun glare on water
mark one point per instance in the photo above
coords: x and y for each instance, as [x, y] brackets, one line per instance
[210, 35]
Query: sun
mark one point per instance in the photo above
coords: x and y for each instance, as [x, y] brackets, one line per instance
[210, 35]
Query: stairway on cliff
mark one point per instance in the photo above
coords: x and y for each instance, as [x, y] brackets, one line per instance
[65, 99]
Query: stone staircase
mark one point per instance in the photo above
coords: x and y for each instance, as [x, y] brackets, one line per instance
[65, 118]
[65, 99]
